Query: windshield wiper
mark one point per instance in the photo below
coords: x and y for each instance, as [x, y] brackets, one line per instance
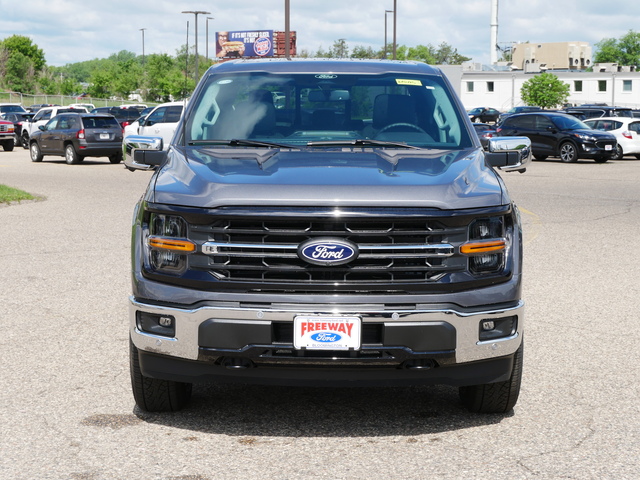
[236, 142]
[362, 142]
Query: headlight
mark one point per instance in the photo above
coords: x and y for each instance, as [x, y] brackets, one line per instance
[168, 244]
[487, 246]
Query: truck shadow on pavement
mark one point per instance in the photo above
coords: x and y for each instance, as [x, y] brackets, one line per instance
[271, 411]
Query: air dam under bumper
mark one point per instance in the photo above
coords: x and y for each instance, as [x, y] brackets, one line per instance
[420, 347]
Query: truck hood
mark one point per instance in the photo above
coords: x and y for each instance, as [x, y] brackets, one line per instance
[214, 177]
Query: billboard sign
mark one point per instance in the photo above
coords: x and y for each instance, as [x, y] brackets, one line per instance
[253, 43]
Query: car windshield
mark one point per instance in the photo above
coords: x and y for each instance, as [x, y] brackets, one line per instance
[315, 110]
[567, 122]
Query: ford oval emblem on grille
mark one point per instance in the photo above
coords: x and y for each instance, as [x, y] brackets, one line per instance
[328, 251]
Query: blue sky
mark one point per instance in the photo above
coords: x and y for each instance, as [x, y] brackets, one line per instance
[71, 31]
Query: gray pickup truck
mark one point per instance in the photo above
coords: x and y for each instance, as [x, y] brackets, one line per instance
[354, 232]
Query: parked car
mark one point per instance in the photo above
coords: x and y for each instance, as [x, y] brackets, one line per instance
[484, 114]
[6, 135]
[76, 136]
[11, 108]
[519, 109]
[597, 111]
[125, 115]
[18, 119]
[41, 117]
[485, 132]
[88, 106]
[36, 107]
[559, 135]
[162, 121]
[626, 130]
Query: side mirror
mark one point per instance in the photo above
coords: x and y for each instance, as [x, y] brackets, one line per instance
[41, 127]
[143, 153]
[511, 154]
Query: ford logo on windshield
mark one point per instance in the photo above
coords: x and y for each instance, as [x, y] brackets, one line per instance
[328, 251]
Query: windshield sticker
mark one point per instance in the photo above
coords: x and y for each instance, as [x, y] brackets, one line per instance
[224, 82]
[402, 81]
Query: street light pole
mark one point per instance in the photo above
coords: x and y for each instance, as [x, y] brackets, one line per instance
[207, 23]
[385, 32]
[395, 18]
[196, 13]
[142, 30]
[287, 30]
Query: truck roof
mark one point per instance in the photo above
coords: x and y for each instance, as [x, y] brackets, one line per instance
[324, 65]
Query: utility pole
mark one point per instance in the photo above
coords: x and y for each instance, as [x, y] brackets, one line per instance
[385, 32]
[287, 30]
[207, 23]
[395, 22]
[196, 13]
[142, 30]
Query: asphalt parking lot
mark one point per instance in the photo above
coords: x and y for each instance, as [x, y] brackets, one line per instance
[68, 413]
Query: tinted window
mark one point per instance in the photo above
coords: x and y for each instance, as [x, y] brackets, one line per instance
[543, 123]
[568, 123]
[634, 127]
[100, 122]
[527, 121]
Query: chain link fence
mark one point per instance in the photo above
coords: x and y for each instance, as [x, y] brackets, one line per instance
[27, 100]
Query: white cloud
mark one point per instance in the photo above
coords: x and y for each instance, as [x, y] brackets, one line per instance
[70, 31]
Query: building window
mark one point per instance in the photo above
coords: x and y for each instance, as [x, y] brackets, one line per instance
[489, 86]
[602, 85]
[470, 87]
[577, 85]
[626, 85]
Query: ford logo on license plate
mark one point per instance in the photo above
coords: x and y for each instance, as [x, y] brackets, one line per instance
[328, 251]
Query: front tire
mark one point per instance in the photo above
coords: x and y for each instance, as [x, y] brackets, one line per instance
[116, 158]
[25, 141]
[499, 397]
[618, 153]
[7, 147]
[568, 152]
[34, 151]
[155, 395]
[70, 155]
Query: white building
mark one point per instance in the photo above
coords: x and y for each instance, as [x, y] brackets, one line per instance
[501, 89]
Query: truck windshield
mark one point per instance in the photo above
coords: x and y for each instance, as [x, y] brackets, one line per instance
[315, 110]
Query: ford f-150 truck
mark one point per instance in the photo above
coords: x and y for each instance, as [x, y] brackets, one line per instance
[356, 234]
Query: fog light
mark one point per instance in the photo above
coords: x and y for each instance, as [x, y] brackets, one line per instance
[491, 329]
[164, 325]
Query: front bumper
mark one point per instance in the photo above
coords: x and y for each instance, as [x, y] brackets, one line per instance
[439, 345]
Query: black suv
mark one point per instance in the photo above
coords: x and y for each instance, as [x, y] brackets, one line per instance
[78, 135]
[559, 135]
[597, 111]
[519, 109]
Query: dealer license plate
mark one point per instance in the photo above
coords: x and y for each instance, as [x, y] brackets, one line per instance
[316, 332]
[608, 147]
[104, 136]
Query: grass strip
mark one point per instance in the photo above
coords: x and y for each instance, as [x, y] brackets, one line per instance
[9, 195]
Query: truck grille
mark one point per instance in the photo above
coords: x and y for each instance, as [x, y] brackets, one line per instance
[392, 250]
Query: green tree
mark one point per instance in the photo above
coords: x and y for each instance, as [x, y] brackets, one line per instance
[19, 74]
[544, 90]
[624, 51]
[444, 54]
[21, 44]
[340, 49]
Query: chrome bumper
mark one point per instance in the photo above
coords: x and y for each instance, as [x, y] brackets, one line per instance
[187, 323]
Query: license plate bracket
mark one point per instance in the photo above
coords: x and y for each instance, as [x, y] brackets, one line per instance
[327, 332]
